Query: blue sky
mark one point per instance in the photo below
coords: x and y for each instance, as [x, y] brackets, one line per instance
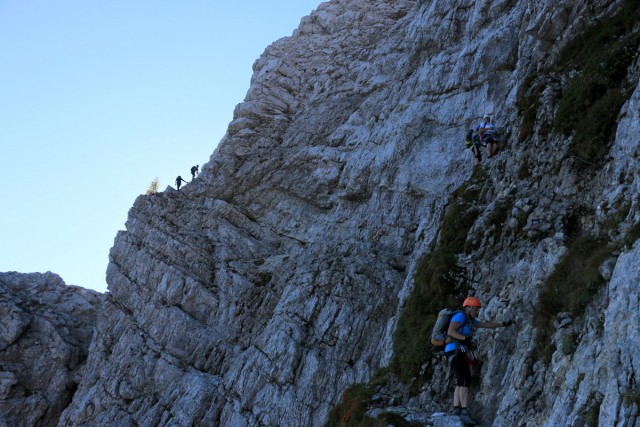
[99, 98]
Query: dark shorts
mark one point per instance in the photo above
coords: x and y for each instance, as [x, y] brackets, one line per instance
[489, 138]
[460, 368]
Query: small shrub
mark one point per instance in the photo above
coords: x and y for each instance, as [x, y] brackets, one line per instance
[569, 344]
[153, 187]
[547, 348]
[263, 279]
[351, 411]
[631, 398]
[592, 413]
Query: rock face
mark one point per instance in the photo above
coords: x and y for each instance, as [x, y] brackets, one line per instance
[44, 339]
[272, 282]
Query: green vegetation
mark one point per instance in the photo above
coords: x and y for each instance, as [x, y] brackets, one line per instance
[546, 351]
[590, 104]
[570, 287]
[569, 344]
[599, 59]
[632, 397]
[592, 413]
[436, 284]
[576, 279]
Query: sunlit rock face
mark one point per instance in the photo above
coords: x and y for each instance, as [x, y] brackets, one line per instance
[261, 290]
[44, 340]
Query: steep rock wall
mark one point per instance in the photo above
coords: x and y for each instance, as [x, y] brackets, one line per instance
[44, 340]
[264, 288]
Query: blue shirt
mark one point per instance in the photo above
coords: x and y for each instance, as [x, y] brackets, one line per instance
[466, 329]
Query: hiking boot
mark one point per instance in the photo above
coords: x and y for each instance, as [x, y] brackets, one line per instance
[465, 417]
[457, 411]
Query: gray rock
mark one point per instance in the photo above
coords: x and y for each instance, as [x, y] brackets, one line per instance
[45, 335]
[275, 280]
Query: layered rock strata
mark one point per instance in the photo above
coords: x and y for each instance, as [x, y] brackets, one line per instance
[272, 282]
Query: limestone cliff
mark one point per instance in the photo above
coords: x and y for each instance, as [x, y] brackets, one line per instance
[263, 289]
[44, 339]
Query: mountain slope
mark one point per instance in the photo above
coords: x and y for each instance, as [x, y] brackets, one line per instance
[277, 278]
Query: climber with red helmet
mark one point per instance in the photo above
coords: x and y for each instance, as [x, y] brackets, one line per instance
[459, 353]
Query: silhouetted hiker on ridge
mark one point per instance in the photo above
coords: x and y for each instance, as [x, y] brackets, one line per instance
[179, 182]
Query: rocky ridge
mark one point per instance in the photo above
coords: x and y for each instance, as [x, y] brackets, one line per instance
[262, 290]
[44, 340]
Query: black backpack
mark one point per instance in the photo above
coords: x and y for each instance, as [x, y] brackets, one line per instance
[469, 137]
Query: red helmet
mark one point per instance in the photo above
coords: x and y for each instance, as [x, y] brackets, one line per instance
[471, 302]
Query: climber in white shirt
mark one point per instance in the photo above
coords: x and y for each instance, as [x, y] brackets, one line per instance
[487, 132]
